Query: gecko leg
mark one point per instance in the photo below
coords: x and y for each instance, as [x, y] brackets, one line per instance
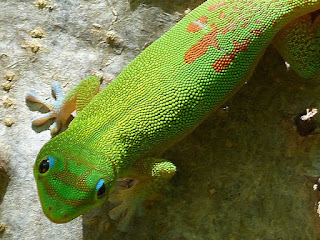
[62, 107]
[53, 107]
[298, 43]
[151, 175]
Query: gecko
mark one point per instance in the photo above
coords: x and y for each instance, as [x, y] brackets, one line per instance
[160, 97]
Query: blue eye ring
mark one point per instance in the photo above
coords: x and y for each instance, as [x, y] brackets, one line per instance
[100, 189]
[46, 164]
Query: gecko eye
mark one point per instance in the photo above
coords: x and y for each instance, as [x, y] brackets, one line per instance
[101, 189]
[46, 164]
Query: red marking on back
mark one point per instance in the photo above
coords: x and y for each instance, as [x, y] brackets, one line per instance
[213, 7]
[222, 63]
[258, 31]
[222, 15]
[225, 30]
[214, 26]
[194, 27]
[234, 8]
[203, 19]
[245, 24]
[201, 47]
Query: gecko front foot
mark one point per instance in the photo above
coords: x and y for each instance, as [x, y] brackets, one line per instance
[56, 109]
[132, 200]
[151, 174]
[63, 106]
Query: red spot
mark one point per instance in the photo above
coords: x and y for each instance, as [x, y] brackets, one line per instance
[213, 7]
[245, 24]
[222, 63]
[258, 31]
[222, 15]
[225, 30]
[202, 46]
[214, 26]
[203, 19]
[194, 27]
[235, 8]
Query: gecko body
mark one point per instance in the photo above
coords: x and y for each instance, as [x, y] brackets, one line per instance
[161, 96]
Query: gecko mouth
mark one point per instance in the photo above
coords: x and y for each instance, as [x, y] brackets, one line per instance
[64, 219]
[56, 214]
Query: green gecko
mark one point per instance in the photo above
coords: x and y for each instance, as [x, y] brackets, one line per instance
[161, 96]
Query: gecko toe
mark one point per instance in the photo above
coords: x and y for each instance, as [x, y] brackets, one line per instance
[57, 90]
[43, 118]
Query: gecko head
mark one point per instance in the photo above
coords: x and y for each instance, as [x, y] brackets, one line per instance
[70, 184]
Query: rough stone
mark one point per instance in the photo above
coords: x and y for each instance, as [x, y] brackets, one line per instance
[244, 173]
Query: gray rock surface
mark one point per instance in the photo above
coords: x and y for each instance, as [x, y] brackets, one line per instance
[245, 173]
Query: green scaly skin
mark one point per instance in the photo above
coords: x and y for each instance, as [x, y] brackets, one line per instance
[163, 95]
